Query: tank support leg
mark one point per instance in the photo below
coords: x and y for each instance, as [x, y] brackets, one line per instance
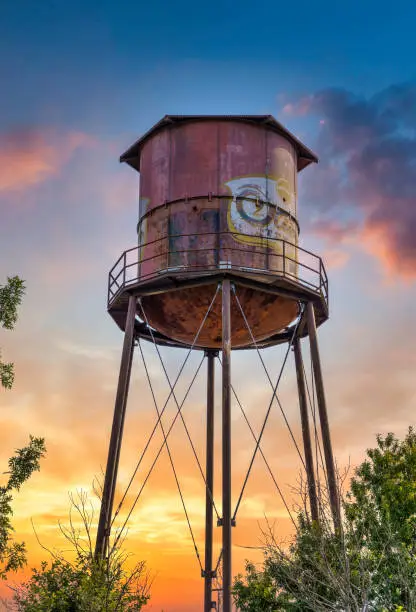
[323, 417]
[209, 475]
[306, 434]
[104, 524]
[226, 444]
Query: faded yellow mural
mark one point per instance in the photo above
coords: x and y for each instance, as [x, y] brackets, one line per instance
[264, 207]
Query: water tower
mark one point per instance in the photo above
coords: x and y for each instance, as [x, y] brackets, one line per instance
[218, 268]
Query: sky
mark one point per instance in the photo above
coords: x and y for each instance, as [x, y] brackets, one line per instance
[81, 81]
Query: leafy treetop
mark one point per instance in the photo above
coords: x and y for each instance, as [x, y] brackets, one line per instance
[22, 464]
[11, 295]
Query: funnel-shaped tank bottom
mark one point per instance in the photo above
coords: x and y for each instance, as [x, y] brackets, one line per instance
[179, 314]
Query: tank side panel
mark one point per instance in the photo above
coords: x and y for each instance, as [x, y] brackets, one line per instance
[194, 159]
[242, 150]
[282, 176]
[193, 235]
[154, 190]
[282, 189]
[160, 153]
[243, 168]
[145, 190]
[193, 224]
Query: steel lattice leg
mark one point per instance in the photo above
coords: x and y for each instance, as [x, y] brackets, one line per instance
[323, 417]
[306, 434]
[208, 570]
[226, 444]
[103, 532]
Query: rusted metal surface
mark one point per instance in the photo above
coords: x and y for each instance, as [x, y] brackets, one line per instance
[323, 417]
[304, 154]
[104, 523]
[209, 476]
[306, 432]
[226, 447]
[179, 314]
[244, 176]
[218, 193]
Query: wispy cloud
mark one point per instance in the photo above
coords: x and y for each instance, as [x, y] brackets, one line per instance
[29, 156]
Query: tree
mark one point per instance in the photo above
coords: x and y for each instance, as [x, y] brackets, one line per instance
[256, 591]
[11, 295]
[312, 575]
[369, 565]
[22, 464]
[26, 460]
[85, 584]
[381, 513]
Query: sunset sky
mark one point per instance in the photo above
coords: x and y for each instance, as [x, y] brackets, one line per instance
[80, 81]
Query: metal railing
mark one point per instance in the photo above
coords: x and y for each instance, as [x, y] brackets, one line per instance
[270, 256]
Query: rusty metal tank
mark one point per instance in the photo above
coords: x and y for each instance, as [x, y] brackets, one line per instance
[217, 194]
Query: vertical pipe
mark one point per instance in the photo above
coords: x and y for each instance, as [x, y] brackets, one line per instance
[103, 532]
[209, 475]
[226, 443]
[306, 434]
[323, 417]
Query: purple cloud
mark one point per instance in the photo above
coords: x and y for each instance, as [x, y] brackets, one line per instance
[367, 148]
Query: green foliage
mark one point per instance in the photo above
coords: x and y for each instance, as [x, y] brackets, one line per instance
[88, 584]
[85, 586]
[256, 592]
[11, 295]
[381, 513]
[24, 462]
[311, 575]
[369, 565]
[6, 374]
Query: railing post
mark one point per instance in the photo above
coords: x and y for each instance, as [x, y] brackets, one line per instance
[124, 268]
[267, 257]
[284, 257]
[320, 275]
